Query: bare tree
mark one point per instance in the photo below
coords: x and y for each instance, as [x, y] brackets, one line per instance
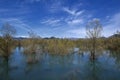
[33, 41]
[31, 48]
[93, 31]
[7, 31]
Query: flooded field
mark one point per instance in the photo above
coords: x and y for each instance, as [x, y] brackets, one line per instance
[75, 66]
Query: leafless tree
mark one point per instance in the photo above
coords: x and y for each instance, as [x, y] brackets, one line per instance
[93, 31]
[7, 31]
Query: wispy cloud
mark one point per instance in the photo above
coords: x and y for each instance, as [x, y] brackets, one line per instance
[112, 25]
[17, 23]
[78, 32]
[75, 16]
[22, 27]
[51, 22]
[69, 11]
[62, 22]
[8, 12]
[74, 12]
[75, 22]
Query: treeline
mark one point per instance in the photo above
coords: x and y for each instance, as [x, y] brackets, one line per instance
[52, 46]
[114, 44]
[66, 46]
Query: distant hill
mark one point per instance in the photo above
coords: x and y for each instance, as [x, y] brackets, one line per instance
[115, 35]
[112, 36]
[19, 38]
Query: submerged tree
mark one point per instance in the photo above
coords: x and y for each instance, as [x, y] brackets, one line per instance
[31, 44]
[31, 48]
[93, 30]
[6, 41]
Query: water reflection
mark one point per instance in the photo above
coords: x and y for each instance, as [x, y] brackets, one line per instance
[4, 70]
[61, 67]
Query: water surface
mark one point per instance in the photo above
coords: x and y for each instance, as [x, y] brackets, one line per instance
[61, 67]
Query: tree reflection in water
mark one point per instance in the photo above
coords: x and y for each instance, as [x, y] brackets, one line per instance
[116, 55]
[4, 70]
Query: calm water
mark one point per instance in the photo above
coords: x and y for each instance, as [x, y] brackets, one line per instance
[53, 67]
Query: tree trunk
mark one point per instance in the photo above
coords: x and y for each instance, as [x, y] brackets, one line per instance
[92, 55]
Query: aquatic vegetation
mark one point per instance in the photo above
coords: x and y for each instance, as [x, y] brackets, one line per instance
[114, 44]
[59, 46]
[6, 40]
[31, 48]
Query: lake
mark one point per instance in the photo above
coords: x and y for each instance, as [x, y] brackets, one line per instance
[74, 66]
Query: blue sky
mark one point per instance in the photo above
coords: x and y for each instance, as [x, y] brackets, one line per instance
[60, 18]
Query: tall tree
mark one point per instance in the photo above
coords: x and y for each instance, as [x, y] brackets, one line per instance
[93, 31]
